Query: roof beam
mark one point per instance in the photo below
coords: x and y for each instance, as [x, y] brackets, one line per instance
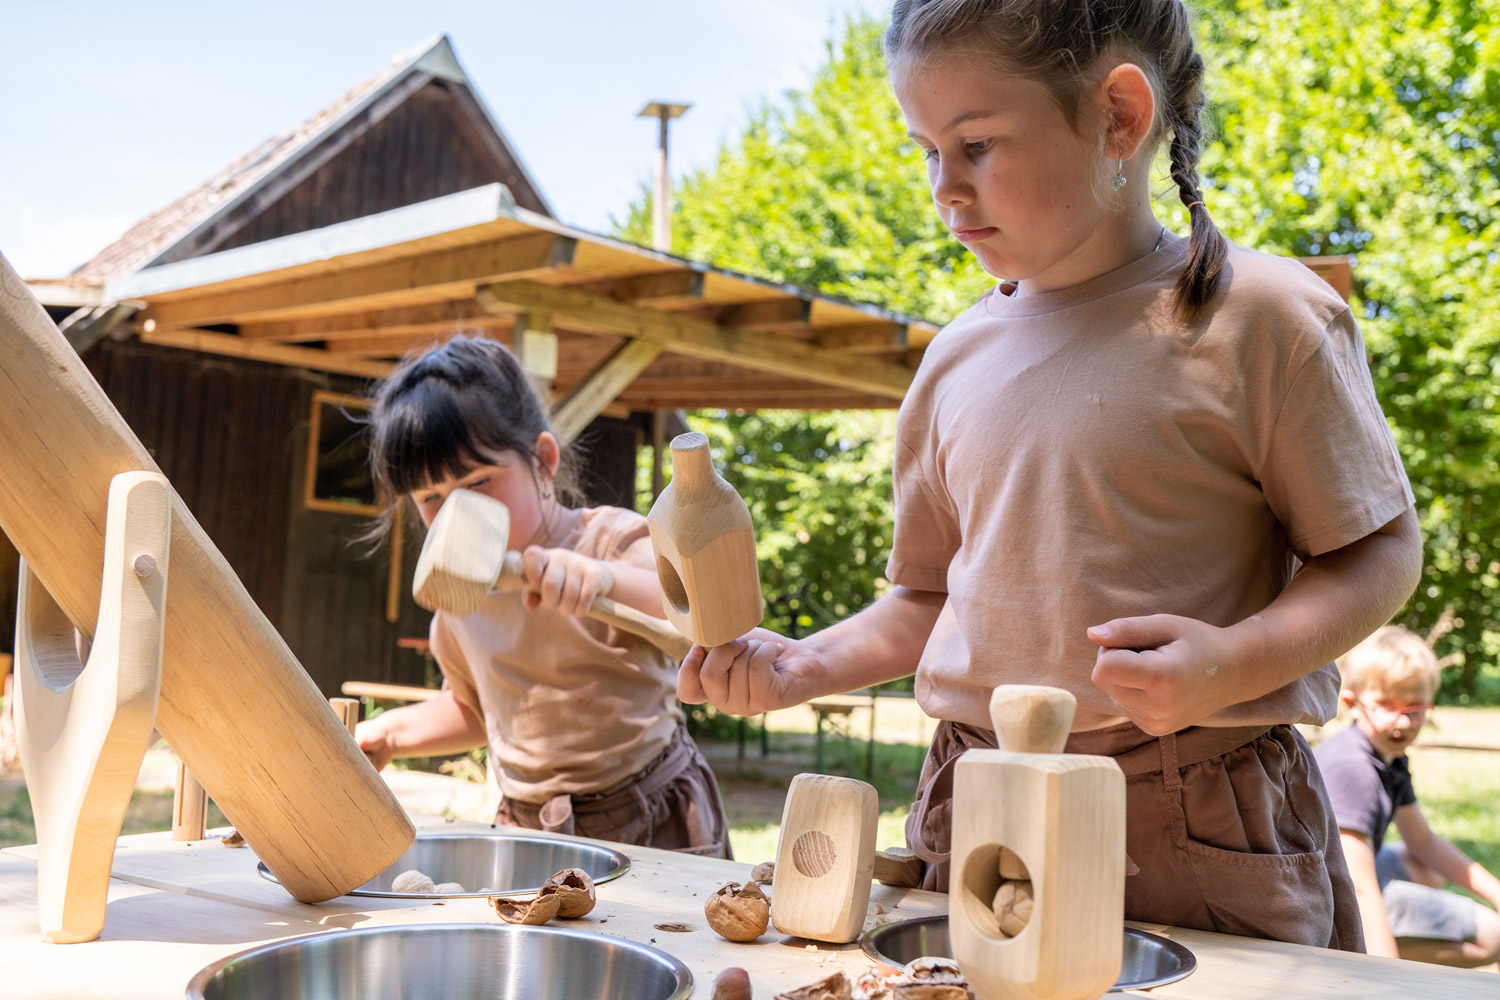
[704, 339]
[446, 274]
[659, 286]
[861, 337]
[229, 345]
[601, 387]
[766, 315]
[411, 321]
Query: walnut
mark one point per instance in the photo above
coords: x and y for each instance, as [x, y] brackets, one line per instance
[732, 984]
[414, 882]
[764, 873]
[1013, 903]
[526, 911]
[448, 889]
[933, 970]
[835, 987]
[738, 914]
[575, 892]
[233, 839]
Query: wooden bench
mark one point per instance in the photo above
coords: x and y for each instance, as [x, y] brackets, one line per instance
[833, 713]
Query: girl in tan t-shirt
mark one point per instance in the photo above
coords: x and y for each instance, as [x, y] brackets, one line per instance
[1106, 467]
[583, 727]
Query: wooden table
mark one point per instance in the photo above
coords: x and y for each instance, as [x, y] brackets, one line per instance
[176, 907]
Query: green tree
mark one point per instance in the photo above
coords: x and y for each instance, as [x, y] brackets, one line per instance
[1371, 130]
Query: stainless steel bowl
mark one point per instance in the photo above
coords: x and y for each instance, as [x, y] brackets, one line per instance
[1148, 960]
[447, 962]
[487, 865]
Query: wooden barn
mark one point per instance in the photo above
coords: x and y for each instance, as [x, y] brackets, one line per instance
[237, 328]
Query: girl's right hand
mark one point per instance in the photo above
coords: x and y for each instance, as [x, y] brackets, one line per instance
[375, 742]
[758, 672]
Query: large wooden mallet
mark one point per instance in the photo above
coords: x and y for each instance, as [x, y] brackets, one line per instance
[465, 557]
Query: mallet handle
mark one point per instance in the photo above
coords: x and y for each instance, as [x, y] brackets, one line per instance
[621, 616]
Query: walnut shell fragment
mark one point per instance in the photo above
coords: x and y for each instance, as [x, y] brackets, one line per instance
[764, 873]
[738, 914]
[526, 911]
[1013, 904]
[575, 892]
[930, 991]
[732, 984]
[935, 970]
[835, 987]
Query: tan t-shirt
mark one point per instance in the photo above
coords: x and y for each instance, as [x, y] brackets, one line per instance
[1075, 456]
[570, 705]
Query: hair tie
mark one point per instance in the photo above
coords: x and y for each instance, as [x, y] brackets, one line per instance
[1195, 204]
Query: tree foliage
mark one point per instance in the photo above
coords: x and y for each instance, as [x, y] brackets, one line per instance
[1371, 130]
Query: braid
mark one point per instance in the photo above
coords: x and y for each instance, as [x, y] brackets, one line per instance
[1207, 247]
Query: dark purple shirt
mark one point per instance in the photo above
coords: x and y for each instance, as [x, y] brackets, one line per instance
[1364, 790]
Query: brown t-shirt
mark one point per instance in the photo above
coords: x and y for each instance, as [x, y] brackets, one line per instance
[1080, 455]
[570, 705]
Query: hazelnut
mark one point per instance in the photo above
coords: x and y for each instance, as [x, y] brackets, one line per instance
[835, 987]
[1013, 903]
[732, 984]
[575, 892]
[526, 911]
[738, 914]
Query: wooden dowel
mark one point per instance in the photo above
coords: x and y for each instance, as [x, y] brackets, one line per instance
[348, 710]
[189, 806]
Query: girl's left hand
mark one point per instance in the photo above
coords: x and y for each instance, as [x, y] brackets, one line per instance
[1164, 671]
[564, 580]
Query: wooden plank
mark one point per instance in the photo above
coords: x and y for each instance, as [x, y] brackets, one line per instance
[701, 338]
[860, 337]
[588, 399]
[227, 344]
[450, 272]
[680, 285]
[775, 314]
[409, 321]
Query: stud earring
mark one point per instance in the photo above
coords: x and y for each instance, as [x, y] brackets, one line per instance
[1119, 179]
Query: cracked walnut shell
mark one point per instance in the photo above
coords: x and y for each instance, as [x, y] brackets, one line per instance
[738, 914]
[835, 987]
[575, 892]
[526, 911]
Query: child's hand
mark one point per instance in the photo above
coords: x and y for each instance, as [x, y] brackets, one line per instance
[1162, 670]
[563, 580]
[748, 676]
[375, 742]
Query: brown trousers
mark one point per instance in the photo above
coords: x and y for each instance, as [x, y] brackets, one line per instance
[1227, 830]
[673, 803]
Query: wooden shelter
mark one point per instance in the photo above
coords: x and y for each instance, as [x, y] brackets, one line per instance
[237, 329]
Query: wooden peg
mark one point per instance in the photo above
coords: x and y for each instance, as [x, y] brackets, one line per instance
[83, 727]
[464, 557]
[346, 709]
[189, 806]
[825, 858]
[235, 704]
[705, 549]
[1037, 892]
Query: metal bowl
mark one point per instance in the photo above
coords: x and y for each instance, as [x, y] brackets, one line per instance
[447, 962]
[488, 865]
[1148, 959]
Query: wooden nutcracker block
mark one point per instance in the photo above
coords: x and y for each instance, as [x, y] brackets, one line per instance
[825, 858]
[234, 703]
[705, 549]
[83, 727]
[464, 557]
[1054, 825]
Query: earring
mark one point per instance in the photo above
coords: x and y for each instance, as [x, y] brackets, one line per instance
[1119, 179]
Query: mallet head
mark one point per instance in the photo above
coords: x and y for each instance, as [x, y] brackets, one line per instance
[463, 555]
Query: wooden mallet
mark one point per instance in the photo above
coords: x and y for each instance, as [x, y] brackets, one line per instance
[465, 557]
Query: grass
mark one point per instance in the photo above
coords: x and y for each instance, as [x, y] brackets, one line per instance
[149, 810]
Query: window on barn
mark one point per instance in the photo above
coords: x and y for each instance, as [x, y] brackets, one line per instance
[338, 472]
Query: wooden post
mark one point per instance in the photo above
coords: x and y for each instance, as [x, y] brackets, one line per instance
[235, 704]
[825, 858]
[347, 709]
[1037, 892]
[189, 806]
[705, 549]
[83, 728]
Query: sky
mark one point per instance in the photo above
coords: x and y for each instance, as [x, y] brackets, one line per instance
[109, 111]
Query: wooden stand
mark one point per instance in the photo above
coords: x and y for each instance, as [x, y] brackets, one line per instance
[464, 557]
[825, 858]
[234, 703]
[83, 728]
[1037, 893]
[705, 549]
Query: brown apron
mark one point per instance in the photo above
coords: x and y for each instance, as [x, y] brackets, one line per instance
[673, 803]
[1227, 829]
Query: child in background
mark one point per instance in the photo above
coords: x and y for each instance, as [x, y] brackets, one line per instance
[1389, 681]
[1107, 468]
[584, 730]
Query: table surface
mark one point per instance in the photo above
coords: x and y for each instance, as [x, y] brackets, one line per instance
[175, 907]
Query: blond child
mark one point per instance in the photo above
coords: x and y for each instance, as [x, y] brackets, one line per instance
[582, 722]
[1389, 681]
[1107, 468]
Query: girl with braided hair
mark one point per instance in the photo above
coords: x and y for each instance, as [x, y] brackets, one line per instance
[1148, 469]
